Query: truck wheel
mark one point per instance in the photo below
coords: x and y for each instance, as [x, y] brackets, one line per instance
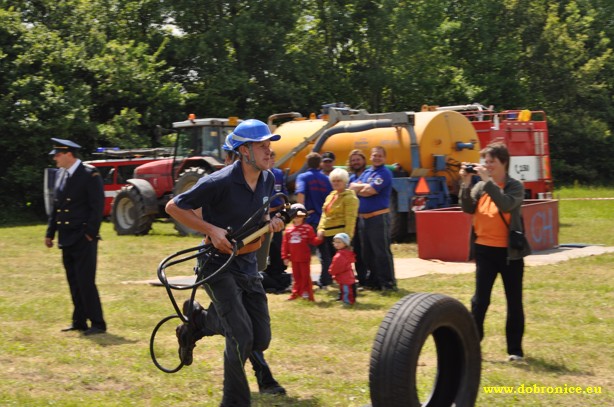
[186, 180]
[128, 213]
[397, 346]
[398, 221]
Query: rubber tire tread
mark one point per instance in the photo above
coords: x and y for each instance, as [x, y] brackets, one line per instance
[143, 222]
[398, 221]
[397, 346]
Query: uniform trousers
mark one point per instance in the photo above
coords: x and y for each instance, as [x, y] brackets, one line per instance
[376, 253]
[361, 268]
[80, 263]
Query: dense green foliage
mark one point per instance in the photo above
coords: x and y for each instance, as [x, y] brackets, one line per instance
[106, 72]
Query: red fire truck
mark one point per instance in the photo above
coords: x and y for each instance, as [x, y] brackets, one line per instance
[525, 133]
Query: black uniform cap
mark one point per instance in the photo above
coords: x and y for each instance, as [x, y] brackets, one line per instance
[328, 156]
[63, 146]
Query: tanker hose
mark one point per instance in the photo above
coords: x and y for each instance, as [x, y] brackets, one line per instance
[346, 128]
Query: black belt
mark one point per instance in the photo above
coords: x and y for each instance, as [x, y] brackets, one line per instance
[335, 227]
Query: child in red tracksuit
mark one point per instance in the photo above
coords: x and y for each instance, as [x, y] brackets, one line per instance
[295, 249]
[341, 268]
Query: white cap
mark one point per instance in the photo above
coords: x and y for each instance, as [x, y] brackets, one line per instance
[300, 208]
[343, 237]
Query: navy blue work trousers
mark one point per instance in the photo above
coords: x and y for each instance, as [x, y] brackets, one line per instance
[240, 312]
[376, 254]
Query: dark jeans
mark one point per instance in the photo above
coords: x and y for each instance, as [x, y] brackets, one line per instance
[376, 253]
[276, 264]
[241, 314]
[361, 268]
[489, 262]
[325, 255]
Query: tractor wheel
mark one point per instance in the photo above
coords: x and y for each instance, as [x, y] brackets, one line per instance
[401, 336]
[186, 180]
[128, 213]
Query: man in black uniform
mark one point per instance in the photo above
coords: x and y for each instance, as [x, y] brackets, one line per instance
[76, 216]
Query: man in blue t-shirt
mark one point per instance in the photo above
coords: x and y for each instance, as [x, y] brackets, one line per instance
[312, 188]
[373, 188]
[357, 164]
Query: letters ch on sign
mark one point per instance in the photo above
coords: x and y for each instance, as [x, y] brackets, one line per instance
[541, 226]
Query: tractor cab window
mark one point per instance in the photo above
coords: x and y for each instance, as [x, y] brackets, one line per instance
[202, 141]
[210, 142]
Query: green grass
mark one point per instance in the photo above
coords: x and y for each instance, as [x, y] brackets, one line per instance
[320, 352]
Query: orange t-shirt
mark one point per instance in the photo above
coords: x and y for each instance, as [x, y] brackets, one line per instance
[488, 225]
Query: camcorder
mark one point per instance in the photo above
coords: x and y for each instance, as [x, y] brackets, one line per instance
[470, 168]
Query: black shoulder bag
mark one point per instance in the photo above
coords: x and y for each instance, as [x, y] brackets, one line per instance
[516, 238]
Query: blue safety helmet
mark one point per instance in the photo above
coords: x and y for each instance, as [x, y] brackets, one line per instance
[228, 143]
[250, 131]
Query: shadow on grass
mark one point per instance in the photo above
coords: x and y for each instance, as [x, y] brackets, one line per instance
[546, 366]
[541, 365]
[358, 306]
[328, 299]
[108, 339]
[259, 400]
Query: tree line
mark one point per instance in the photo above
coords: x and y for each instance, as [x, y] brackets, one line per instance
[107, 72]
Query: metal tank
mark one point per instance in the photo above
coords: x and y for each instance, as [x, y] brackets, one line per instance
[443, 139]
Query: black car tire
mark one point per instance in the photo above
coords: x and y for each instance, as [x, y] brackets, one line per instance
[397, 346]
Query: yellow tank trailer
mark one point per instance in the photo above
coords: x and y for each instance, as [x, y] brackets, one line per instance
[419, 144]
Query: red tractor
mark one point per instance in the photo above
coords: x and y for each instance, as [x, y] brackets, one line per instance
[198, 151]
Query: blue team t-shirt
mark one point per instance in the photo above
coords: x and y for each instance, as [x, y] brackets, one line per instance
[380, 178]
[225, 198]
[316, 187]
[280, 186]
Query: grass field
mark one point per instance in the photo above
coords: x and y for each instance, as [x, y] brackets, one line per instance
[320, 352]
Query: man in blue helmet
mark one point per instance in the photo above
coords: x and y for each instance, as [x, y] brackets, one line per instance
[228, 198]
[266, 382]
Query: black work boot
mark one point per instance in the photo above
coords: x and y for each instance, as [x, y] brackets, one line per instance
[185, 337]
[272, 389]
[266, 383]
[186, 333]
[197, 310]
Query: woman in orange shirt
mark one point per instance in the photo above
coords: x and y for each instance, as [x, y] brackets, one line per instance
[495, 202]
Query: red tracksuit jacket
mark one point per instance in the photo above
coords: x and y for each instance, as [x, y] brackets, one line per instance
[295, 245]
[341, 267]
